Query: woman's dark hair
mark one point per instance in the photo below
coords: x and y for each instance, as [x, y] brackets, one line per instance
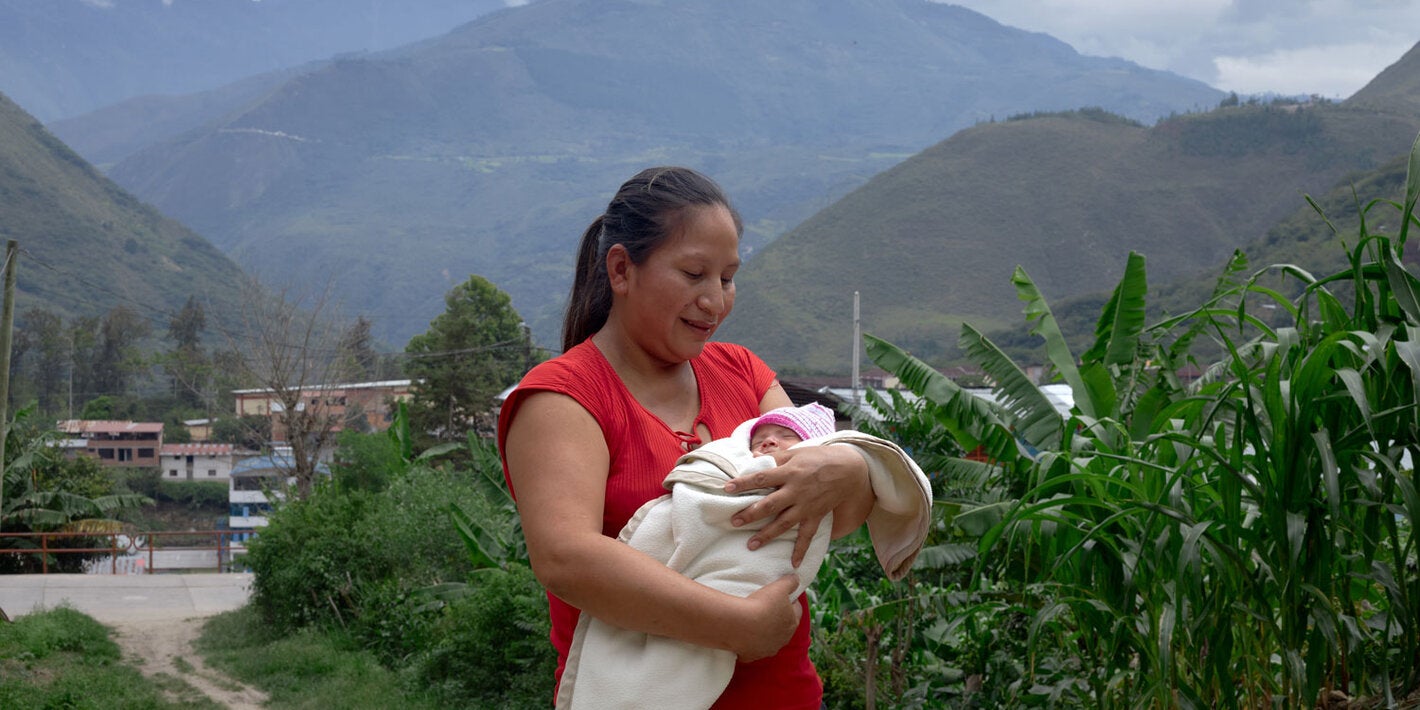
[645, 211]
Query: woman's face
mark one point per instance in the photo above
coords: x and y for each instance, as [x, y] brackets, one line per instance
[675, 300]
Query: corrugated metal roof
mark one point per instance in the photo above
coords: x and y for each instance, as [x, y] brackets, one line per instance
[270, 465]
[324, 388]
[202, 449]
[98, 426]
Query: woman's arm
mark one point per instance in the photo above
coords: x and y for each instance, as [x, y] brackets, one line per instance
[558, 463]
[811, 482]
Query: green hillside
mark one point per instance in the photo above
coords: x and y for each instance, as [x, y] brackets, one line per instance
[933, 242]
[1395, 90]
[110, 134]
[88, 246]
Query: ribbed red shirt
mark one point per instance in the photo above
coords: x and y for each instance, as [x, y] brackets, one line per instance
[732, 381]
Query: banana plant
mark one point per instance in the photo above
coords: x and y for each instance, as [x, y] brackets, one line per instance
[32, 505]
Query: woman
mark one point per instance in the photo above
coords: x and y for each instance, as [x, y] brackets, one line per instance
[587, 438]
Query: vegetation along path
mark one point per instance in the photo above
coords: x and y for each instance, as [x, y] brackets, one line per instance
[163, 647]
[155, 619]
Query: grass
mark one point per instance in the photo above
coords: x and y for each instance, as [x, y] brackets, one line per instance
[62, 658]
[308, 669]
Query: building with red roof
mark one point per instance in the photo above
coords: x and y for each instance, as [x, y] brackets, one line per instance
[117, 443]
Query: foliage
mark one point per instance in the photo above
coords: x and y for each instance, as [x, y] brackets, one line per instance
[472, 351]
[1093, 113]
[187, 365]
[1238, 541]
[378, 557]
[1252, 130]
[360, 360]
[493, 536]
[249, 432]
[306, 668]
[365, 461]
[868, 632]
[99, 408]
[193, 494]
[489, 648]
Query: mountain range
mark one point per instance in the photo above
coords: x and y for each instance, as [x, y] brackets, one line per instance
[62, 58]
[910, 151]
[393, 175]
[932, 242]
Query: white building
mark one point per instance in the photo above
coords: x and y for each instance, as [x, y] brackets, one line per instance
[200, 462]
[254, 484]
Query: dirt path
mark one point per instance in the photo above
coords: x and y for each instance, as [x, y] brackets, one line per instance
[162, 649]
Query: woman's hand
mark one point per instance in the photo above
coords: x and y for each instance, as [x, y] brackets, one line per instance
[810, 482]
[775, 616]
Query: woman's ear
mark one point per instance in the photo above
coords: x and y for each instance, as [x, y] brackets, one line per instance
[618, 268]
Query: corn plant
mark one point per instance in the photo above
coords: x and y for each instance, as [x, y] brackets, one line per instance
[1243, 540]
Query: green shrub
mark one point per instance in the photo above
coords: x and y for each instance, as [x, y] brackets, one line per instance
[195, 494]
[307, 560]
[325, 560]
[366, 461]
[489, 647]
[40, 635]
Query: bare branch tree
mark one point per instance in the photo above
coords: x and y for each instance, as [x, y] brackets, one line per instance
[290, 347]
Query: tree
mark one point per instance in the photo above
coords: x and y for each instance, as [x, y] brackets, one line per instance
[83, 348]
[100, 407]
[357, 348]
[292, 350]
[249, 432]
[188, 370]
[117, 359]
[41, 360]
[472, 351]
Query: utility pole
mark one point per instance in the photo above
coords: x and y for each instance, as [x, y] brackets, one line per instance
[7, 320]
[857, 339]
[69, 412]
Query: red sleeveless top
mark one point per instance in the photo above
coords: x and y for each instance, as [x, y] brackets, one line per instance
[732, 381]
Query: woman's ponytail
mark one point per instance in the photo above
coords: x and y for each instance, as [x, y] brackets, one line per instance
[590, 302]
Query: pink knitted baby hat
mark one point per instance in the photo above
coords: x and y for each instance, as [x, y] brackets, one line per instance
[809, 421]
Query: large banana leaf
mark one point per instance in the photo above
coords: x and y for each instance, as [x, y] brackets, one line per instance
[1036, 418]
[1120, 325]
[971, 420]
[1038, 312]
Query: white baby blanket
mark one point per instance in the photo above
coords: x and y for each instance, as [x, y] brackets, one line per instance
[689, 530]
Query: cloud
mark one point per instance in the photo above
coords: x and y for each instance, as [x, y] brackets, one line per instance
[102, 4]
[1325, 47]
[1333, 71]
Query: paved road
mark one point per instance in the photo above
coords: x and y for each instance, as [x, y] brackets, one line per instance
[114, 598]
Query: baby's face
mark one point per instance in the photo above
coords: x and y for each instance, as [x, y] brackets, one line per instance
[772, 437]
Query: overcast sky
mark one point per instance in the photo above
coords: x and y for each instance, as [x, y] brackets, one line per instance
[1326, 47]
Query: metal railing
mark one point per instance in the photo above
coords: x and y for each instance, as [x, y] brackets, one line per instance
[146, 552]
